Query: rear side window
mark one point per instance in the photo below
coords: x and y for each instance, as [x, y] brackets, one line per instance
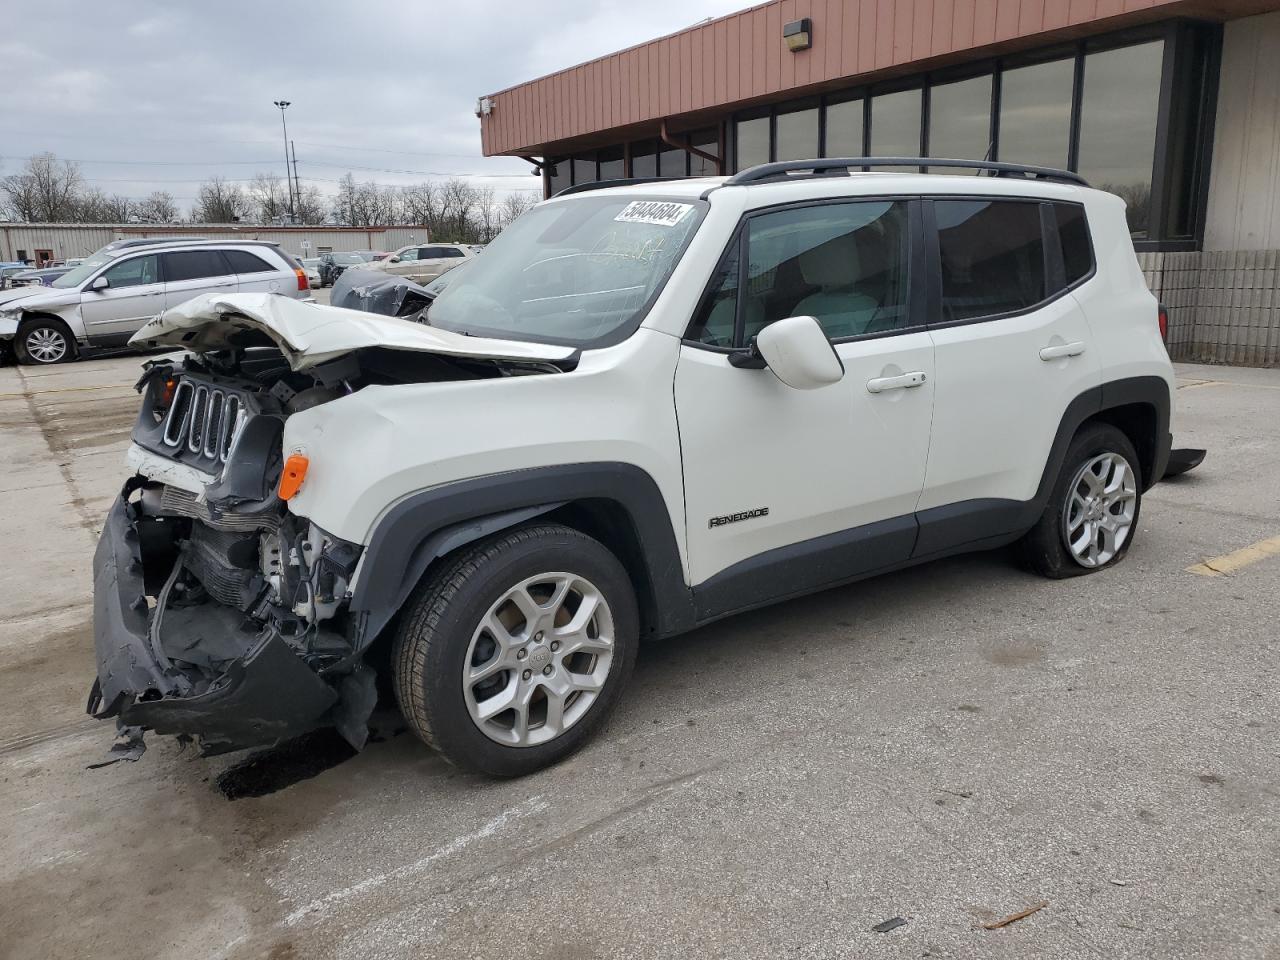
[433, 253]
[991, 255]
[194, 265]
[242, 261]
[1073, 237]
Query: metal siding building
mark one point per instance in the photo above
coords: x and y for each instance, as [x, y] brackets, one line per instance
[28, 241]
[1173, 104]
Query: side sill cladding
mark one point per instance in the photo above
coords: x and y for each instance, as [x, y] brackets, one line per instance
[432, 523]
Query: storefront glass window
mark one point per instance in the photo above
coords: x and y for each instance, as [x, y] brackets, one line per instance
[895, 124]
[753, 142]
[671, 163]
[844, 129]
[1035, 114]
[560, 175]
[960, 119]
[584, 168]
[708, 141]
[1118, 125]
[611, 166]
[797, 134]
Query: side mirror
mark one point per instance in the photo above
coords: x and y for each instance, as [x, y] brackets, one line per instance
[799, 353]
[100, 283]
[395, 259]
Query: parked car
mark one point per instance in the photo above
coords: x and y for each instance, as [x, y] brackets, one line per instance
[422, 263]
[8, 271]
[104, 301]
[312, 266]
[43, 277]
[332, 265]
[643, 409]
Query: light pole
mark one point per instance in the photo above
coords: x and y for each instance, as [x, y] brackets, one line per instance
[283, 105]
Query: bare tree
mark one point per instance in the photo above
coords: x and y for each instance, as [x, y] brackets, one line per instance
[220, 202]
[311, 205]
[157, 208]
[46, 190]
[344, 207]
[420, 205]
[515, 204]
[486, 225]
[269, 198]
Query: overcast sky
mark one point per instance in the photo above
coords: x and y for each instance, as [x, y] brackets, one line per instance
[150, 95]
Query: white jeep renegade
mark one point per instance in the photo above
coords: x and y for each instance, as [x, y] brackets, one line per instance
[641, 409]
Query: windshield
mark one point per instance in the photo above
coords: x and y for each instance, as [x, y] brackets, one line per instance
[572, 272]
[80, 274]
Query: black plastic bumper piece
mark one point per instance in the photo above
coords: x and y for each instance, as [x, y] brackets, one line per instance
[266, 696]
[1182, 459]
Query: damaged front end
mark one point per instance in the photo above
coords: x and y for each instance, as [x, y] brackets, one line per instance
[220, 614]
[217, 612]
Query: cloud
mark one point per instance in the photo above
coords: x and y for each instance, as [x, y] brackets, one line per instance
[386, 90]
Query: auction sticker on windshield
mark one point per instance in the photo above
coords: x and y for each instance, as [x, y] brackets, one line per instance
[654, 211]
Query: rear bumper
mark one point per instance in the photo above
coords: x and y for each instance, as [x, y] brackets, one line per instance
[266, 695]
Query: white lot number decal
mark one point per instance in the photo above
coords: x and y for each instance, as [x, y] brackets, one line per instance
[654, 211]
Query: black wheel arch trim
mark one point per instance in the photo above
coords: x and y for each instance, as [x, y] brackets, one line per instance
[432, 523]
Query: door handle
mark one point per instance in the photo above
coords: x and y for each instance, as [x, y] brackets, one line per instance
[1058, 351]
[901, 382]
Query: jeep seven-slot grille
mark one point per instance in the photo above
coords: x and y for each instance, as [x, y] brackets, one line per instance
[203, 418]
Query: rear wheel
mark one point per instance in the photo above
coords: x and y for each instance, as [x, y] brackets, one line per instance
[1092, 514]
[44, 340]
[511, 655]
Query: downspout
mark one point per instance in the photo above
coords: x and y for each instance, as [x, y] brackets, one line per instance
[689, 148]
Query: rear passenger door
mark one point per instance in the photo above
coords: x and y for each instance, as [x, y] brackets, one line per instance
[188, 273]
[253, 273]
[1012, 350]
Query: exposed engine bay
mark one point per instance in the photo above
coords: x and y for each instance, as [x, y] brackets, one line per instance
[220, 614]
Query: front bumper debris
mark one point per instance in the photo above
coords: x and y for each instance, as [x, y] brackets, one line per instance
[219, 676]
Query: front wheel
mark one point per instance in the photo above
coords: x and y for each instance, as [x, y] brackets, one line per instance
[1092, 514]
[44, 341]
[513, 653]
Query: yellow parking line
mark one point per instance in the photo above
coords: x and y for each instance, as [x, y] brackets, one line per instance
[1231, 562]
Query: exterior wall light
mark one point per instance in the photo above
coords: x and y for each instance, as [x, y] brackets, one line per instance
[798, 34]
[484, 106]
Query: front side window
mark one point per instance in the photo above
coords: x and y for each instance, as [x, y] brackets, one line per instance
[991, 256]
[843, 263]
[194, 265]
[134, 273]
[579, 272]
[408, 256]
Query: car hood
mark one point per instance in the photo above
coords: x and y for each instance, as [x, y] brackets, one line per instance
[309, 334]
[48, 297]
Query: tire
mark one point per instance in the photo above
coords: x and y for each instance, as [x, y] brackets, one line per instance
[1104, 452]
[470, 615]
[43, 341]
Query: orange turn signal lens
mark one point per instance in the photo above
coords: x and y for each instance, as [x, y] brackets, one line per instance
[291, 477]
[166, 393]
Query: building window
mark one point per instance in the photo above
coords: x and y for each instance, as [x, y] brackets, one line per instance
[672, 163]
[644, 159]
[1035, 114]
[708, 141]
[558, 176]
[584, 168]
[1118, 111]
[797, 135]
[844, 129]
[960, 119]
[895, 124]
[752, 139]
[611, 164]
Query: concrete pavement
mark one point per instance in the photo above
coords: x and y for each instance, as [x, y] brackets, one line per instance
[951, 745]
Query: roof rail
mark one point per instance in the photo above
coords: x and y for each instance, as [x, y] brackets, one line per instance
[603, 184]
[830, 167]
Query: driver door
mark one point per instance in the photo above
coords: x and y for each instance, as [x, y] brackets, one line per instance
[135, 295]
[788, 490]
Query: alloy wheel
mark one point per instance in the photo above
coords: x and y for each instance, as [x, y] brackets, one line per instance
[45, 345]
[1102, 502]
[539, 659]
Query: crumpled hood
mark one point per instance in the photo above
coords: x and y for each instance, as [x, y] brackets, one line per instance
[19, 293]
[309, 334]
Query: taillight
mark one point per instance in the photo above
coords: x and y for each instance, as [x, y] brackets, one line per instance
[1162, 317]
[302, 280]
